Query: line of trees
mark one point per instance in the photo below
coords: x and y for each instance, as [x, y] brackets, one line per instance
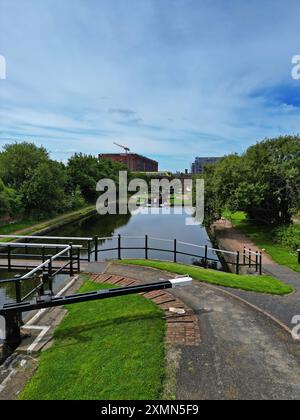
[33, 185]
[264, 182]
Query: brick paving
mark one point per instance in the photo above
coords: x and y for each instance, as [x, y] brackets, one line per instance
[181, 329]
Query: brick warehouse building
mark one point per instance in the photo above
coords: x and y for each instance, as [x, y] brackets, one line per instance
[135, 162]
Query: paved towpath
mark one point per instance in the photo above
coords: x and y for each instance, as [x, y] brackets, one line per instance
[282, 308]
[241, 355]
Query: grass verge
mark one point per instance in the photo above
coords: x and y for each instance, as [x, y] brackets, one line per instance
[103, 350]
[259, 284]
[29, 226]
[263, 238]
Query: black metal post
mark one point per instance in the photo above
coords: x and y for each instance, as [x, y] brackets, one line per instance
[13, 332]
[260, 263]
[78, 260]
[175, 250]
[146, 247]
[119, 247]
[8, 257]
[26, 247]
[89, 251]
[50, 266]
[244, 256]
[206, 257]
[43, 256]
[71, 260]
[256, 261]
[18, 290]
[18, 285]
[96, 248]
[298, 256]
[42, 288]
[238, 262]
[49, 280]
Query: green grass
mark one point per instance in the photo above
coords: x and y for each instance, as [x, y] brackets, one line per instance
[262, 237]
[103, 350]
[259, 284]
[30, 226]
[16, 226]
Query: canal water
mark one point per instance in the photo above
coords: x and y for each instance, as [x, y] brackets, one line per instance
[161, 228]
[133, 229]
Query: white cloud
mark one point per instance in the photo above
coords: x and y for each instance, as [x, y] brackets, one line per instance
[167, 78]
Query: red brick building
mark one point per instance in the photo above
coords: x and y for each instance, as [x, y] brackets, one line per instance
[135, 163]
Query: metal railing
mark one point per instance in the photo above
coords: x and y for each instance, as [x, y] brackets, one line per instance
[45, 272]
[85, 243]
[233, 258]
[205, 256]
[252, 259]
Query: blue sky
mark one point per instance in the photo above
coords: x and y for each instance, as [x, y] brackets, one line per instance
[171, 79]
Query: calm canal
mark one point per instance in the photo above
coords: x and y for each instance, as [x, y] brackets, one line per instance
[160, 226]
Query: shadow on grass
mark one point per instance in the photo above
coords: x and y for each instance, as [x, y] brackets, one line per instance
[78, 333]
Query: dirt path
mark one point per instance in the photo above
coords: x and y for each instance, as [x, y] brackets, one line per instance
[231, 239]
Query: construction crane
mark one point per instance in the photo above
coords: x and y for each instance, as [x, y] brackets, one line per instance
[127, 150]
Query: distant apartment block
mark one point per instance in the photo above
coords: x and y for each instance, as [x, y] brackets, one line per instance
[197, 166]
[134, 162]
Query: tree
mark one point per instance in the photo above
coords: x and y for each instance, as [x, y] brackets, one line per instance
[84, 171]
[43, 194]
[272, 168]
[18, 160]
[264, 182]
[10, 201]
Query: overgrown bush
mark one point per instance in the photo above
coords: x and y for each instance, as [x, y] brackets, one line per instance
[287, 236]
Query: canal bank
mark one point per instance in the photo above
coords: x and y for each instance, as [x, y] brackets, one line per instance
[46, 227]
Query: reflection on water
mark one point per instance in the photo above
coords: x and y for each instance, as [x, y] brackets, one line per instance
[167, 226]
